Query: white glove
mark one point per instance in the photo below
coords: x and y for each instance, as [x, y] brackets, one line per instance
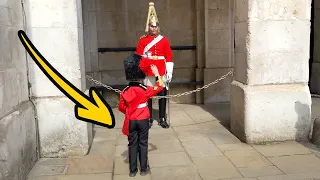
[169, 77]
[169, 68]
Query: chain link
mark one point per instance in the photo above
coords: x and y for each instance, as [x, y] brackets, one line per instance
[168, 96]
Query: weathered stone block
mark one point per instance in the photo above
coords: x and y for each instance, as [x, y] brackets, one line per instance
[61, 134]
[63, 58]
[113, 77]
[5, 16]
[218, 39]
[218, 19]
[58, 14]
[285, 108]
[260, 10]
[267, 63]
[218, 4]
[219, 92]
[184, 59]
[13, 89]
[18, 142]
[218, 58]
[112, 60]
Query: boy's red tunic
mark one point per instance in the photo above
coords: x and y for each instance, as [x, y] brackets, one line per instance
[131, 97]
[160, 49]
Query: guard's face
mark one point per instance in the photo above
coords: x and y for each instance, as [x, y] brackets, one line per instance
[153, 30]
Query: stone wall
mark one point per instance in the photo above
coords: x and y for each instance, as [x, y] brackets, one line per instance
[18, 141]
[219, 48]
[60, 24]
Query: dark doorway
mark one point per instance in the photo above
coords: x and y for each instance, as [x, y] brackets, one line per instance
[311, 41]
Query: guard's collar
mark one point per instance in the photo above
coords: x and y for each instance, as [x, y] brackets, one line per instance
[133, 83]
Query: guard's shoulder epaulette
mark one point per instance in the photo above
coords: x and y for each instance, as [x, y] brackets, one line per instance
[143, 86]
[142, 36]
[125, 88]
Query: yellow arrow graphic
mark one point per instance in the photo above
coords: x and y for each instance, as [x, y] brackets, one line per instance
[93, 109]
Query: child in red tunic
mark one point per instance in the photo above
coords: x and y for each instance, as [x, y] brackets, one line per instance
[133, 103]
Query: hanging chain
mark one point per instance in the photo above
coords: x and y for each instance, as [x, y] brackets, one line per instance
[168, 96]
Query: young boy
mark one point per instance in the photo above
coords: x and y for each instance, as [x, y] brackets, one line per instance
[133, 103]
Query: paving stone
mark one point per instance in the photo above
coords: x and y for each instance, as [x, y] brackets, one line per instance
[297, 163]
[175, 173]
[241, 179]
[212, 127]
[52, 161]
[237, 146]
[46, 170]
[103, 148]
[281, 149]
[89, 164]
[201, 148]
[161, 134]
[103, 134]
[121, 139]
[164, 146]
[169, 159]
[223, 138]
[121, 165]
[243, 158]
[295, 176]
[217, 167]
[103, 176]
[180, 118]
[260, 171]
[127, 177]
[199, 115]
[190, 133]
[121, 151]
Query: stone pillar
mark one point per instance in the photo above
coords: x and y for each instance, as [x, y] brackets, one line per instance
[315, 76]
[218, 49]
[200, 52]
[90, 33]
[270, 98]
[55, 28]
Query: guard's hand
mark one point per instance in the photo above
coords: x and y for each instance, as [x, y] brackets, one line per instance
[169, 77]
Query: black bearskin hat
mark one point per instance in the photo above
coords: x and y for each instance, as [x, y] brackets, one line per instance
[131, 67]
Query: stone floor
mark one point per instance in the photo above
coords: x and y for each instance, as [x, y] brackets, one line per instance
[197, 146]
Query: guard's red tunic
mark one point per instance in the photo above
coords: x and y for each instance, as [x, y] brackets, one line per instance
[131, 97]
[162, 48]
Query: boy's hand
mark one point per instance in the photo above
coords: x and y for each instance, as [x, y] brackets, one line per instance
[154, 70]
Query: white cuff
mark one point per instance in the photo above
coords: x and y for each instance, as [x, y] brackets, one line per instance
[169, 67]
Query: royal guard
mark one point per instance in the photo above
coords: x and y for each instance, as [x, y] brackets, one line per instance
[156, 49]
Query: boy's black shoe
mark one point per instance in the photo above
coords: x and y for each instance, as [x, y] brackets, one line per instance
[143, 173]
[133, 173]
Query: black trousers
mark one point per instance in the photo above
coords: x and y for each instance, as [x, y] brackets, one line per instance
[162, 104]
[138, 143]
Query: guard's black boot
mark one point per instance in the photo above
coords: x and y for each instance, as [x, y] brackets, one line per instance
[163, 123]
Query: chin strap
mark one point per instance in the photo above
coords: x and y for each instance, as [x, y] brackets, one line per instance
[169, 67]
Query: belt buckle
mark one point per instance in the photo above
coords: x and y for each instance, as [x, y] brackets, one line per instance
[155, 57]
